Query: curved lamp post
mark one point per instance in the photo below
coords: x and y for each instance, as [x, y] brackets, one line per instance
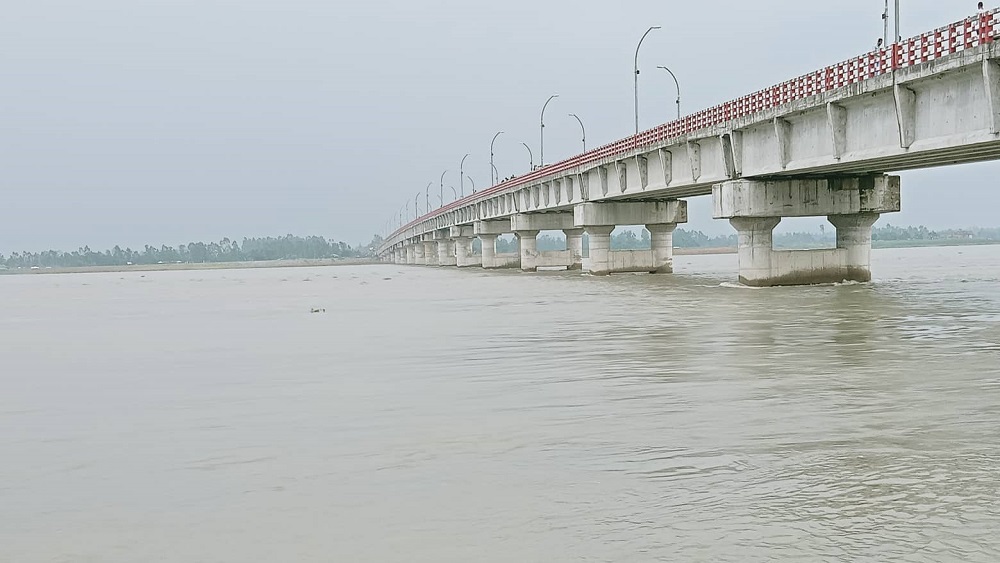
[416, 206]
[635, 67]
[427, 197]
[453, 191]
[582, 130]
[541, 133]
[441, 194]
[678, 85]
[473, 184]
[461, 174]
[494, 174]
[531, 157]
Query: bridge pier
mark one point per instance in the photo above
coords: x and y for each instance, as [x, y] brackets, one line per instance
[488, 232]
[527, 226]
[430, 250]
[852, 205]
[462, 236]
[445, 248]
[411, 253]
[659, 217]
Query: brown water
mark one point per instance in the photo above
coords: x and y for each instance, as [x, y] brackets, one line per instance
[443, 415]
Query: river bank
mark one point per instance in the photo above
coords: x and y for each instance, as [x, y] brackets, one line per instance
[191, 266]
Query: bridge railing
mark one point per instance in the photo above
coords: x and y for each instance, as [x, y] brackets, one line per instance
[956, 37]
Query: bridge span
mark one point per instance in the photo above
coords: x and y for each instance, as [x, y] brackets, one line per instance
[817, 145]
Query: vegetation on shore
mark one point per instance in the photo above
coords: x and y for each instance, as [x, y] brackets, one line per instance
[288, 247]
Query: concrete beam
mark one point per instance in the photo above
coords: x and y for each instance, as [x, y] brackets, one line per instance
[630, 213]
[495, 227]
[541, 222]
[991, 79]
[805, 197]
[462, 231]
[906, 114]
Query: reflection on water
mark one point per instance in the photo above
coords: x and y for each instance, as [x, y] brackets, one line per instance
[442, 415]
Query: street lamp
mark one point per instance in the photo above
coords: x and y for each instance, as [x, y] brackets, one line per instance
[541, 132]
[582, 130]
[635, 67]
[898, 38]
[454, 192]
[461, 174]
[427, 197]
[441, 194]
[531, 157]
[494, 174]
[473, 184]
[416, 206]
[678, 85]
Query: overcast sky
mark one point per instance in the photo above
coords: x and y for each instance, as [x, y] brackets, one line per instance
[169, 121]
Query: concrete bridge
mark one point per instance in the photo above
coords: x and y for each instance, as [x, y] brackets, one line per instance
[817, 145]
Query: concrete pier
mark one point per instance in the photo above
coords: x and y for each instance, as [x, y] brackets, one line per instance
[659, 217]
[462, 236]
[430, 250]
[852, 205]
[527, 226]
[488, 231]
[445, 248]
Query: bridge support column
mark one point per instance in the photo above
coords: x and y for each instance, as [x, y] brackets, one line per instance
[414, 253]
[527, 225]
[446, 252]
[527, 242]
[659, 217]
[488, 231]
[854, 235]
[462, 237]
[489, 243]
[574, 244]
[430, 251]
[600, 249]
[852, 205]
[661, 243]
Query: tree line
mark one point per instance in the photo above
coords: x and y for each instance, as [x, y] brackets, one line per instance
[288, 247]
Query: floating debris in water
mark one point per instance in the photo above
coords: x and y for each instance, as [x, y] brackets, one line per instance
[317, 310]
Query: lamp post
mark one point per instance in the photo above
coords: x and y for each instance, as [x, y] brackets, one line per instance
[635, 67]
[461, 174]
[897, 22]
[493, 173]
[531, 157]
[427, 197]
[541, 132]
[582, 130]
[454, 192]
[678, 85]
[473, 184]
[441, 194]
[416, 206]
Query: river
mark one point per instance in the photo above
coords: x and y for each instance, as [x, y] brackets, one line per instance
[443, 415]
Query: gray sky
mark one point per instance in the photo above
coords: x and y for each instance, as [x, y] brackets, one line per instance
[169, 121]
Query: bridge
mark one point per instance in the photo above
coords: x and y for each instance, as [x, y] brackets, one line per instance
[821, 144]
